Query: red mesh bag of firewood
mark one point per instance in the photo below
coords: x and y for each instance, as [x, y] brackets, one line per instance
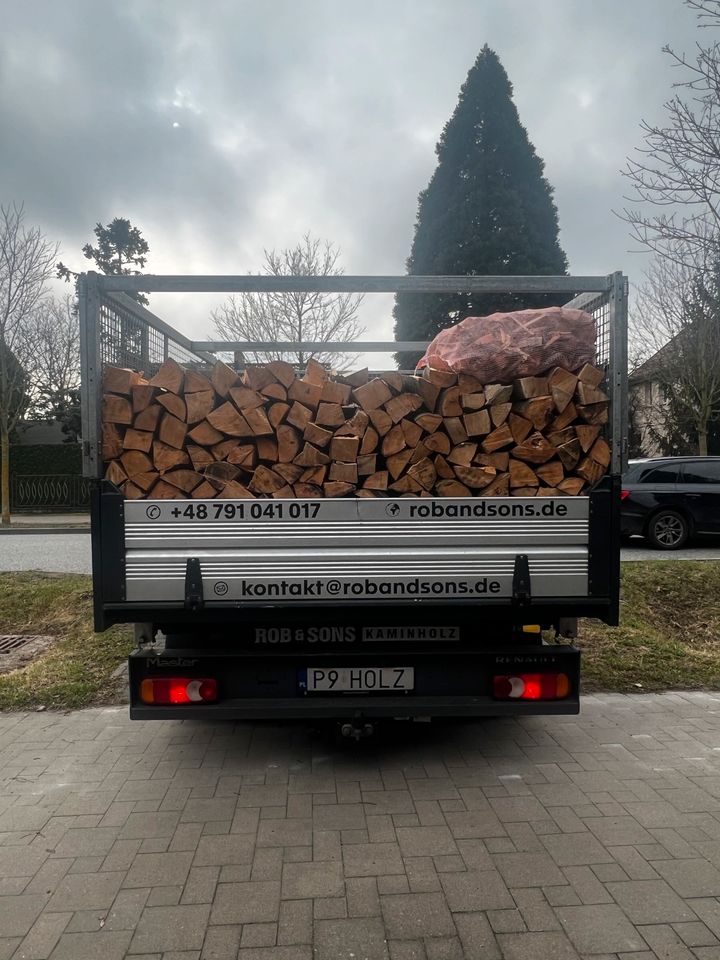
[506, 346]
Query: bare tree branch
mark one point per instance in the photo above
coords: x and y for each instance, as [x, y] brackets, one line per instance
[26, 264]
[54, 330]
[307, 317]
[675, 332]
[678, 166]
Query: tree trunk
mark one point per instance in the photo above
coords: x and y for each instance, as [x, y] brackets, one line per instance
[703, 440]
[5, 476]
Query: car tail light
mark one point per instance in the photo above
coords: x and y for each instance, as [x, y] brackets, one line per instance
[531, 686]
[624, 494]
[178, 690]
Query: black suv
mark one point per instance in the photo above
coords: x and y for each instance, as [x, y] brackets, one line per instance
[670, 499]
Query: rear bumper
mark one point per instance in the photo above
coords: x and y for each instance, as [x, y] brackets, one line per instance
[447, 684]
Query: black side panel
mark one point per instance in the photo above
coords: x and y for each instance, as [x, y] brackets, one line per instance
[107, 506]
[604, 546]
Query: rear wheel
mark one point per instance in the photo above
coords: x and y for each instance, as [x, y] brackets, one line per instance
[668, 530]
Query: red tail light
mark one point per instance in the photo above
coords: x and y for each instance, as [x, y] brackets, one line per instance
[531, 686]
[624, 494]
[178, 690]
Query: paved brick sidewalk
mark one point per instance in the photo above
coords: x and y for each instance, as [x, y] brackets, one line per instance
[544, 839]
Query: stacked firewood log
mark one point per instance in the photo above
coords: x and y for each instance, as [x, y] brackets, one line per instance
[269, 432]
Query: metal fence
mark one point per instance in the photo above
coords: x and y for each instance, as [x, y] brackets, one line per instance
[51, 493]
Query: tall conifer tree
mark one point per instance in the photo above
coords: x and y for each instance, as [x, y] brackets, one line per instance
[487, 210]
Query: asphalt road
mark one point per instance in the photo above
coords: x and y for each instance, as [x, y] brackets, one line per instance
[70, 553]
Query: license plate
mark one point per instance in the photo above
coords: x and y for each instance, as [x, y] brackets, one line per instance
[360, 679]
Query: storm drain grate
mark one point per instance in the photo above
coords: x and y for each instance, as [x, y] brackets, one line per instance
[9, 644]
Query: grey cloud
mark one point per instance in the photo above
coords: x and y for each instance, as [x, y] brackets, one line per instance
[316, 116]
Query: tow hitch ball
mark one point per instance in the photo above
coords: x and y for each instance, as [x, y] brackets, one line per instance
[356, 730]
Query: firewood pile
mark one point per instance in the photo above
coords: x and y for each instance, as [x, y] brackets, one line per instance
[272, 433]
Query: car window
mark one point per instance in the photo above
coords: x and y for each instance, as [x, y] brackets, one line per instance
[668, 473]
[702, 471]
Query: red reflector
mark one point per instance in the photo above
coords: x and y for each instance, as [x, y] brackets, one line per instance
[178, 690]
[531, 686]
[624, 494]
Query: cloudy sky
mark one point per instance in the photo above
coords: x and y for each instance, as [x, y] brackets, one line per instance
[223, 127]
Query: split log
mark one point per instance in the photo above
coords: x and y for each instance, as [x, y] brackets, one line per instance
[274, 391]
[402, 406]
[265, 480]
[288, 443]
[569, 454]
[164, 491]
[267, 449]
[299, 416]
[572, 485]
[146, 480]
[195, 382]
[258, 422]
[336, 488]
[367, 464]
[172, 431]
[245, 456]
[277, 413]
[586, 393]
[228, 420]
[116, 409]
[499, 487]
[523, 491]
[430, 422]
[526, 388]
[463, 454]
[452, 488]
[305, 392]
[315, 372]
[134, 462]
[441, 378]
[314, 475]
[449, 402]
[119, 380]
[535, 449]
[283, 372]
[370, 441]
[424, 473]
[477, 424]
[381, 421]
[148, 418]
[138, 440]
[519, 427]
[330, 415]
[170, 376]
[376, 481]
[344, 449]
[551, 473]
[310, 456]
[345, 472]
[393, 442]
[112, 440]
[335, 393]
[198, 405]
[256, 376]
[501, 437]
[427, 391]
[600, 452]
[591, 375]
[291, 472]
[566, 418]
[142, 396]
[443, 468]
[498, 460]
[185, 480]
[590, 470]
[498, 393]
[455, 429]
[397, 462]
[245, 399]
[205, 491]
[475, 477]
[372, 395]
[499, 412]
[316, 435]
[412, 432]
[562, 387]
[175, 405]
[355, 426]
[199, 457]
[521, 475]
[115, 473]
[587, 435]
[594, 413]
[220, 473]
[438, 442]
[538, 411]
[235, 491]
